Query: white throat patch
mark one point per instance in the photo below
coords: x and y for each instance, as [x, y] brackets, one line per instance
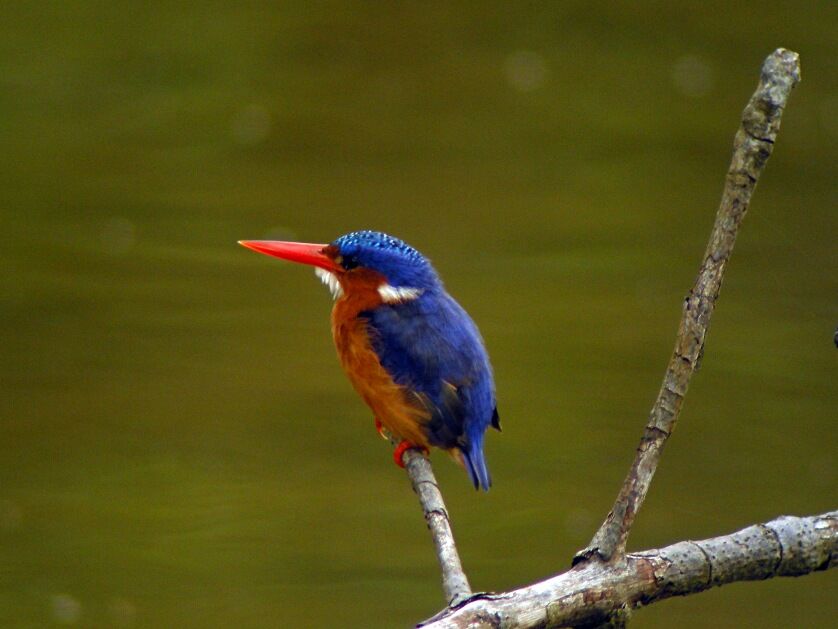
[330, 280]
[393, 295]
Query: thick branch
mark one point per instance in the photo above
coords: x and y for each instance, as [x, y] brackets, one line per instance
[752, 147]
[591, 591]
[454, 582]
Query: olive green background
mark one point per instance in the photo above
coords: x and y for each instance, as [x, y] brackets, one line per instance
[178, 446]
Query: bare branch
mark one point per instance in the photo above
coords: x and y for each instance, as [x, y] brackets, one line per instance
[454, 582]
[752, 147]
[592, 591]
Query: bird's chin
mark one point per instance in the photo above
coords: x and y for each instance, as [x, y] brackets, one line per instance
[330, 280]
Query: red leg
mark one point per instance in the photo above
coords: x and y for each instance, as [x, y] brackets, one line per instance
[403, 447]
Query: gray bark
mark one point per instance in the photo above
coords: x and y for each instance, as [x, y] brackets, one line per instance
[455, 585]
[590, 592]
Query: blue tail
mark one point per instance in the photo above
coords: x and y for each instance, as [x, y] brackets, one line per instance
[476, 465]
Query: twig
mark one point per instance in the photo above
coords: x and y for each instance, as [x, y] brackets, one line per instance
[592, 591]
[752, 147]
[454, 582]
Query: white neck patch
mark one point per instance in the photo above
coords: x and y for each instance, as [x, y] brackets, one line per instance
[393, 295]
[330, 280]
[389, 294]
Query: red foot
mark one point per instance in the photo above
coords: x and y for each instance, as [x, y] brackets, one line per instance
[382, 431]
[403, 447]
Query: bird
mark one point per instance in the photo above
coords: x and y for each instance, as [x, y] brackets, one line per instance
[411, 352]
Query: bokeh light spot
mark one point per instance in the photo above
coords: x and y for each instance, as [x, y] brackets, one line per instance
[251, 125]
[525, 70]
[66, 609]
[118, 235]
[692, 76]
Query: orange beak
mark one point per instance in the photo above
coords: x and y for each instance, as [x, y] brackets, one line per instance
[302, 252]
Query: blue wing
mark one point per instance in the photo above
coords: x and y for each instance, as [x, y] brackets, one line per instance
[431, 346]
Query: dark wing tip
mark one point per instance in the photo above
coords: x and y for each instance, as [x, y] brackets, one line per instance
[496, 420]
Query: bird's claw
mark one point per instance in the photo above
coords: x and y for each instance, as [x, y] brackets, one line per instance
[403, 447]
[382, 431]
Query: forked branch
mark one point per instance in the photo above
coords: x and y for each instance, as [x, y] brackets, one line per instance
[593, 590]
[604, 579]
[752, 147]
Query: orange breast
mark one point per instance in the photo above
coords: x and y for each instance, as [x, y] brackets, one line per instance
[394, 406]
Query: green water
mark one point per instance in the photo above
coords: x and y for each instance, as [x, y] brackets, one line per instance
[178, 446]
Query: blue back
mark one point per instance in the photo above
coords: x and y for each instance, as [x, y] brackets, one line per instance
[432, 347]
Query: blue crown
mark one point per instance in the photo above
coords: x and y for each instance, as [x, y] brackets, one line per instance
[376, 240]
[400, 263]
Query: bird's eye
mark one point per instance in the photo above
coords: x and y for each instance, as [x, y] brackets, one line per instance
[349, 262]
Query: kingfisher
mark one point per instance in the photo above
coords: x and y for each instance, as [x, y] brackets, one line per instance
[411, 352]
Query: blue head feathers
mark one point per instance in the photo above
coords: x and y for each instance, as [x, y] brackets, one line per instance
[400, 263]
